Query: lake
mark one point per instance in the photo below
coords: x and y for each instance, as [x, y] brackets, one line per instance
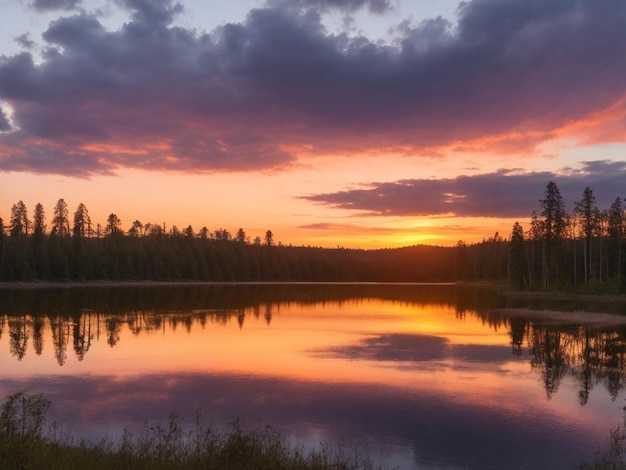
[419, 376]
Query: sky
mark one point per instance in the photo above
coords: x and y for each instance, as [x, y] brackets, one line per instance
[354, 123]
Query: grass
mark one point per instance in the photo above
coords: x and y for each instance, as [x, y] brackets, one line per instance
[611, 458]
[27, 441]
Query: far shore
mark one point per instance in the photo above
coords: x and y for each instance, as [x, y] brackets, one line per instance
[503, 288]
[130, 283]
[555, 316]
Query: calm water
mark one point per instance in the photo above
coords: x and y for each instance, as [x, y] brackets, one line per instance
[424, 376]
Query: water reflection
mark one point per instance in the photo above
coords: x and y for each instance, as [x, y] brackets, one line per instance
[435, 375]
[591, 355]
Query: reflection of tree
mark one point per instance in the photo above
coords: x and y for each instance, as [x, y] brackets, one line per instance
[60, 338]
[113, 327]
[38, 329]
[241, 316]
[268, 314]
[616, 363]
[590, 362]
[589, 354]
[83, 334]
[18, 337]
[547, 357]
[518, 332]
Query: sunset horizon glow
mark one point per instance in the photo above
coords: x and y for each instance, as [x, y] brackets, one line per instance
[357, 124]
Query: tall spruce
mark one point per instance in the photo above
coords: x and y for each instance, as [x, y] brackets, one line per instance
[586, 212]
[60, 220]
[554, 222]
[82, 222]
[39, 223]
[617, 230]
[517, 256]
[20, 223]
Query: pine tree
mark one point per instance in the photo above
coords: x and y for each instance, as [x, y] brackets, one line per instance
[82, 222]
[20, 223]
[60, 221]
[554, 224]
[586, 211]
[517, 255]
[616, 234]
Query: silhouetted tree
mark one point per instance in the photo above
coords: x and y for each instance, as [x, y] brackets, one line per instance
[517, 255]
[113, 226]
[188, 232]
[241, 236]
[586, 212]
[269, 238]
[554, 223]
[82, 222]
[19, 223]
[616, 230]
[136, 229]
[39, 223]
[60, 221]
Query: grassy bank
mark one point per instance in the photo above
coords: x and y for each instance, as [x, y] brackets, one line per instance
[27, 441]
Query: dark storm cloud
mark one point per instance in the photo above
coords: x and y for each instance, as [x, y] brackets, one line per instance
[252, 95]
[47, 5]
[500, 194]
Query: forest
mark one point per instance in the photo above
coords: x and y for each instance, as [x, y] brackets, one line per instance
[558, 250]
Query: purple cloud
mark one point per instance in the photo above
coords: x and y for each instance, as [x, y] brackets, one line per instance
[374, 6]
[25, 41]
[249, 95]
[5, 125]
[48, 5]
[503, 193]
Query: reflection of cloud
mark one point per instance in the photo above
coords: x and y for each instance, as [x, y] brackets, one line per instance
[417, 348]
[438, 426]
[500, 194]
[394, 347]
[245, 95]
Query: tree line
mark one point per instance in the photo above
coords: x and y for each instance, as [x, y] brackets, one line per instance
[584, 247]
[559, 249]
[74, 249]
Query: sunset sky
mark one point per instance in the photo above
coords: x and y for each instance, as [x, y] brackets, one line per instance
[359, 123]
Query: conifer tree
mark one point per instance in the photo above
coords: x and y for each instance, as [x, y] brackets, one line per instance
[82, 222]
[586, 211]
[19, 224]
[554, 224]
[61, 221]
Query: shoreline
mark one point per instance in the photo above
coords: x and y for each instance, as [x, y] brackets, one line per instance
[78, 284]
[558, 316]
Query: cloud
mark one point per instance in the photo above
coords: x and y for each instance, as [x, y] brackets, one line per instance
[5, 125]
[504, 193]
[152, 11]
[254, 95]
[417, 349]
[48, 5]
[374, 6]
[25, 41]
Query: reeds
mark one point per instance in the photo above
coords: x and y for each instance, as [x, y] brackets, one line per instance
[27, 441]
